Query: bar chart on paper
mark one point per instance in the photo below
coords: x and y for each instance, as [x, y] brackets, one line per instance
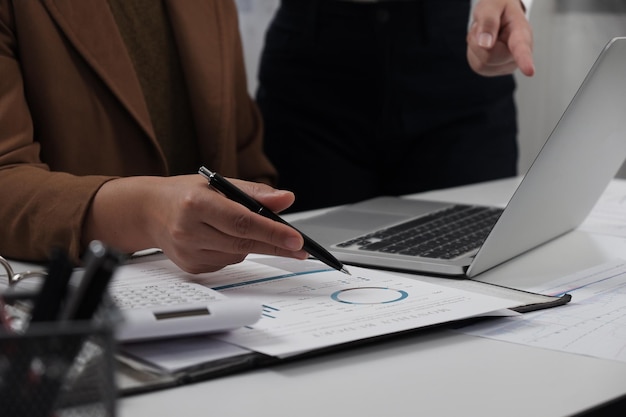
[307, 305]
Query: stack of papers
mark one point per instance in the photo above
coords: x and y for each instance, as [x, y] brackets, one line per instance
[307, 306]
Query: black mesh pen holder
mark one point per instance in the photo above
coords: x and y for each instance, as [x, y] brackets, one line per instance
[58, 370]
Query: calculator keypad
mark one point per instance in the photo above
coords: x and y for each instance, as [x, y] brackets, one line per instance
[161, 295]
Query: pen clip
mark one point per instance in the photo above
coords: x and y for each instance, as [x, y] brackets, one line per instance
[206, 173]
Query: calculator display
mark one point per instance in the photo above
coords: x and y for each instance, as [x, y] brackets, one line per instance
[181, 313]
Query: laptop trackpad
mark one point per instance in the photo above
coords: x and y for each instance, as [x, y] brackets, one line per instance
[353, 220]
[358, 219]
[335, 227]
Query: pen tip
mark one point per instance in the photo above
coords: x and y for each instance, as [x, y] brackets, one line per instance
[345, 271]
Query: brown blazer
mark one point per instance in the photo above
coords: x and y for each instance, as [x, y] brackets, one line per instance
[72, 114]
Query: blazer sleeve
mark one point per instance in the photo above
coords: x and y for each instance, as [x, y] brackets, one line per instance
[40, 209]
[51, 157]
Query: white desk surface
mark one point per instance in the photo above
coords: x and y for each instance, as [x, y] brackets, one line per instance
[432, 373]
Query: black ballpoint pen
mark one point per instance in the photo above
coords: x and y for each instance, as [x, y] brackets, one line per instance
[227, 188]
[54, 290]
[100, 264]
[47, 305]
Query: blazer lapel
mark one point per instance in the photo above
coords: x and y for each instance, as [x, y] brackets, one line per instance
[196, 27]
[90, 27]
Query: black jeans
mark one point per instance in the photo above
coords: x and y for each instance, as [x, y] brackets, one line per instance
[361, 100]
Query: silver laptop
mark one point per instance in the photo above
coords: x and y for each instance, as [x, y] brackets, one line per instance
[569, 174]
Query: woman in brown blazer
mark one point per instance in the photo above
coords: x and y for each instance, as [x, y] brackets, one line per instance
[107, 109]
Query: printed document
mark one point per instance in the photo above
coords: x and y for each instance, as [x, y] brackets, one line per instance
[307, 305]
[608, 217]
[593, 323]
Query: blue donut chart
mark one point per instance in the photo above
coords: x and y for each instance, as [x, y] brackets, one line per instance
[369, 295]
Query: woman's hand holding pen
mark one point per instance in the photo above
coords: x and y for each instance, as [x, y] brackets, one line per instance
[198, 228]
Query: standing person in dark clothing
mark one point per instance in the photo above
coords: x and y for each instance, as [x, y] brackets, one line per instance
[366, 98]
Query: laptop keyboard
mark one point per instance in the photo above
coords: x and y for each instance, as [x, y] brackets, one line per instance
[444, 234]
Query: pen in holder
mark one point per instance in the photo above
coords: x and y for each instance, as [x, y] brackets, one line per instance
[39, 378]
[60, 363]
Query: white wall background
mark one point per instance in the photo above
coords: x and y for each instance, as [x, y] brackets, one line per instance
[254, 16]
[569, 35]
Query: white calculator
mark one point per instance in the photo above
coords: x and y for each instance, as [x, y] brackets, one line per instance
[178, 309]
